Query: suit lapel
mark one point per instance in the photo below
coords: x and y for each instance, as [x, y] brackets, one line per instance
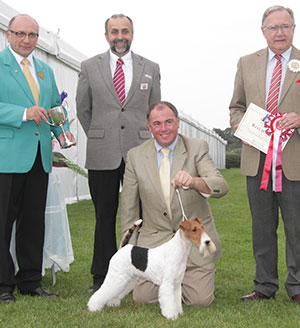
[105, 71]
[39, 70]
[261, 61]
[290, 76]
[152, 169]
[17, 73]
[179, 158]
[137, 71]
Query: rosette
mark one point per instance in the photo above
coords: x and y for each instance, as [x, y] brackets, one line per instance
[294, 65]
[274, 154]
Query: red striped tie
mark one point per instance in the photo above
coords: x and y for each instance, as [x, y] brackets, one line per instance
[119, 81]
[272, 102]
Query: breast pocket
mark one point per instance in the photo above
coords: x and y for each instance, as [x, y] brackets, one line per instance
[96, 134]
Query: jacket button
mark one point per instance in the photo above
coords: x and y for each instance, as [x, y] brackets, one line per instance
[122, 127]
[36, 133]
[174, 231]
[123, 110]
[165, 213]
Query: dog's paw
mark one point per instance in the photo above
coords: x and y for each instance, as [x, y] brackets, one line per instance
[170, 315]
[114, 302]
[93, 306]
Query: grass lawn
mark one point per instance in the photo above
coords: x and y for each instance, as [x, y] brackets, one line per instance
[234, 278]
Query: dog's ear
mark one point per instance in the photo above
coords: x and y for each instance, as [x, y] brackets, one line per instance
[185, 225]
[198, 220]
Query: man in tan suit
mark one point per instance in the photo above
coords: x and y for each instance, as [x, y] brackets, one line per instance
[191, 168]
[252, 84]
[114, 121]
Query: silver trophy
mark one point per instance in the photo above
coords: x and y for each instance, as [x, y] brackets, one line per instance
[58, 117]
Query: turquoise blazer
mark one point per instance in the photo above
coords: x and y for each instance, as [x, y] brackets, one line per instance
[19, 140]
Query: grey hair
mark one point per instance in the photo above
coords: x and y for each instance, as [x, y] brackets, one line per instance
[117, 16]
[160, 105]
[271, 9]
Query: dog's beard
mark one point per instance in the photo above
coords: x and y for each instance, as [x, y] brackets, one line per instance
[207, 247]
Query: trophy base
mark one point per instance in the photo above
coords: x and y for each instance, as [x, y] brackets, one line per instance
[68, 144]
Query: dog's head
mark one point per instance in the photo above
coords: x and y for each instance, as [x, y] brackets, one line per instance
[194, 231]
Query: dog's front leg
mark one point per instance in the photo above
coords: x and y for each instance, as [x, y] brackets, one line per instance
[166, 300]
[178, 294]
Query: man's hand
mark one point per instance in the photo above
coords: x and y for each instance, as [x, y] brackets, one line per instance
[183, 179]
[62, 140]
[37, 114]
[186, 181]
[290, 121]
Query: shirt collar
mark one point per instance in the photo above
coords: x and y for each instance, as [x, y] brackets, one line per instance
[127, 59]
[20, 58]
[158, 147]
[286, 55]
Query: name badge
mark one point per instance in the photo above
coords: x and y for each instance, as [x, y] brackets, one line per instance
[144, 86]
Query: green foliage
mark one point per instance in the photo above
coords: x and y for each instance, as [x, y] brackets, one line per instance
[232, 160]
[234, 278]
[233, 149]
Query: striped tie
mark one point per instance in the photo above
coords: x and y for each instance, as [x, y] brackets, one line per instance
[272, 102]
[119, 81]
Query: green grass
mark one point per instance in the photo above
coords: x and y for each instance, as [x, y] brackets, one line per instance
[234, 278]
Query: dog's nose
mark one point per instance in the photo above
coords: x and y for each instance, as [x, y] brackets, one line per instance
[207, 242]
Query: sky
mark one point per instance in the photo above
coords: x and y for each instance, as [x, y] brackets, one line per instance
[196, 43]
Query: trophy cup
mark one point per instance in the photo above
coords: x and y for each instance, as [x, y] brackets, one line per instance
[58, 117]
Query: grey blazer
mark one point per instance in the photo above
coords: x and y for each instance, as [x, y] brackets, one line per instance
[141, 181]
[112, 129]
[250, 86]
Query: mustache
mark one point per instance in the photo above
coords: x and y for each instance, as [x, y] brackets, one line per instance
[120, 40]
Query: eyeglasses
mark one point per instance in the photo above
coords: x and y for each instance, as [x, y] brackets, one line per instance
[274, 28]
[22, 35]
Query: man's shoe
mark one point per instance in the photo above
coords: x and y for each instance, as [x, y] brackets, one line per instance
[296, 298]
[39, 291]
[7, 298]
[255, 295]
[95, 287]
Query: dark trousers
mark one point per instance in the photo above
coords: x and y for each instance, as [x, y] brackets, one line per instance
[264, 206]
[104, 187]
[23, 199]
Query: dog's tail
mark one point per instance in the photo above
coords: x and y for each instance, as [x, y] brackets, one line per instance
[129, 232]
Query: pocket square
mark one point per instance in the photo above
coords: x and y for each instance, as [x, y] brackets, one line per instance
[298, 81]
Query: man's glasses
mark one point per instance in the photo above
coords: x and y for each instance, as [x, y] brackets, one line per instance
[274, 28]
[22, 35]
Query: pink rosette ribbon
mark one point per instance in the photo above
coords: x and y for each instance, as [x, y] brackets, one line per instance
[274, 154]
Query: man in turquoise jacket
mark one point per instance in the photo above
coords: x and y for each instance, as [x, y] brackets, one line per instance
[25, 157]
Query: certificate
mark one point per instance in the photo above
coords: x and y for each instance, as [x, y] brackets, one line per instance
[252, 129]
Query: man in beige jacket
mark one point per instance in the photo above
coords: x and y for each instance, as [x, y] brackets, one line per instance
[194, 173]
[252, 84]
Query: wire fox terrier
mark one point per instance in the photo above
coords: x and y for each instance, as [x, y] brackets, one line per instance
[164, 265]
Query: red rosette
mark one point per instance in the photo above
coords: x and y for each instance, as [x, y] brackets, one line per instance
[273, 122]
[278, 135]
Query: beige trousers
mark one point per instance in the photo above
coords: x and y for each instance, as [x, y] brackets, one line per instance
[197, 286]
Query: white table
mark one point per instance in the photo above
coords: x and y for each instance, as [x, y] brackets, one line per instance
[58, 251]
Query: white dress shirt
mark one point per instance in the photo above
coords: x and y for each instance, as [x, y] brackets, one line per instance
[127, 68]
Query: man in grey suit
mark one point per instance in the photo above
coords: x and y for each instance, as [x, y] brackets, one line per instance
[115, 90]
[194, 173]
[252, 84]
